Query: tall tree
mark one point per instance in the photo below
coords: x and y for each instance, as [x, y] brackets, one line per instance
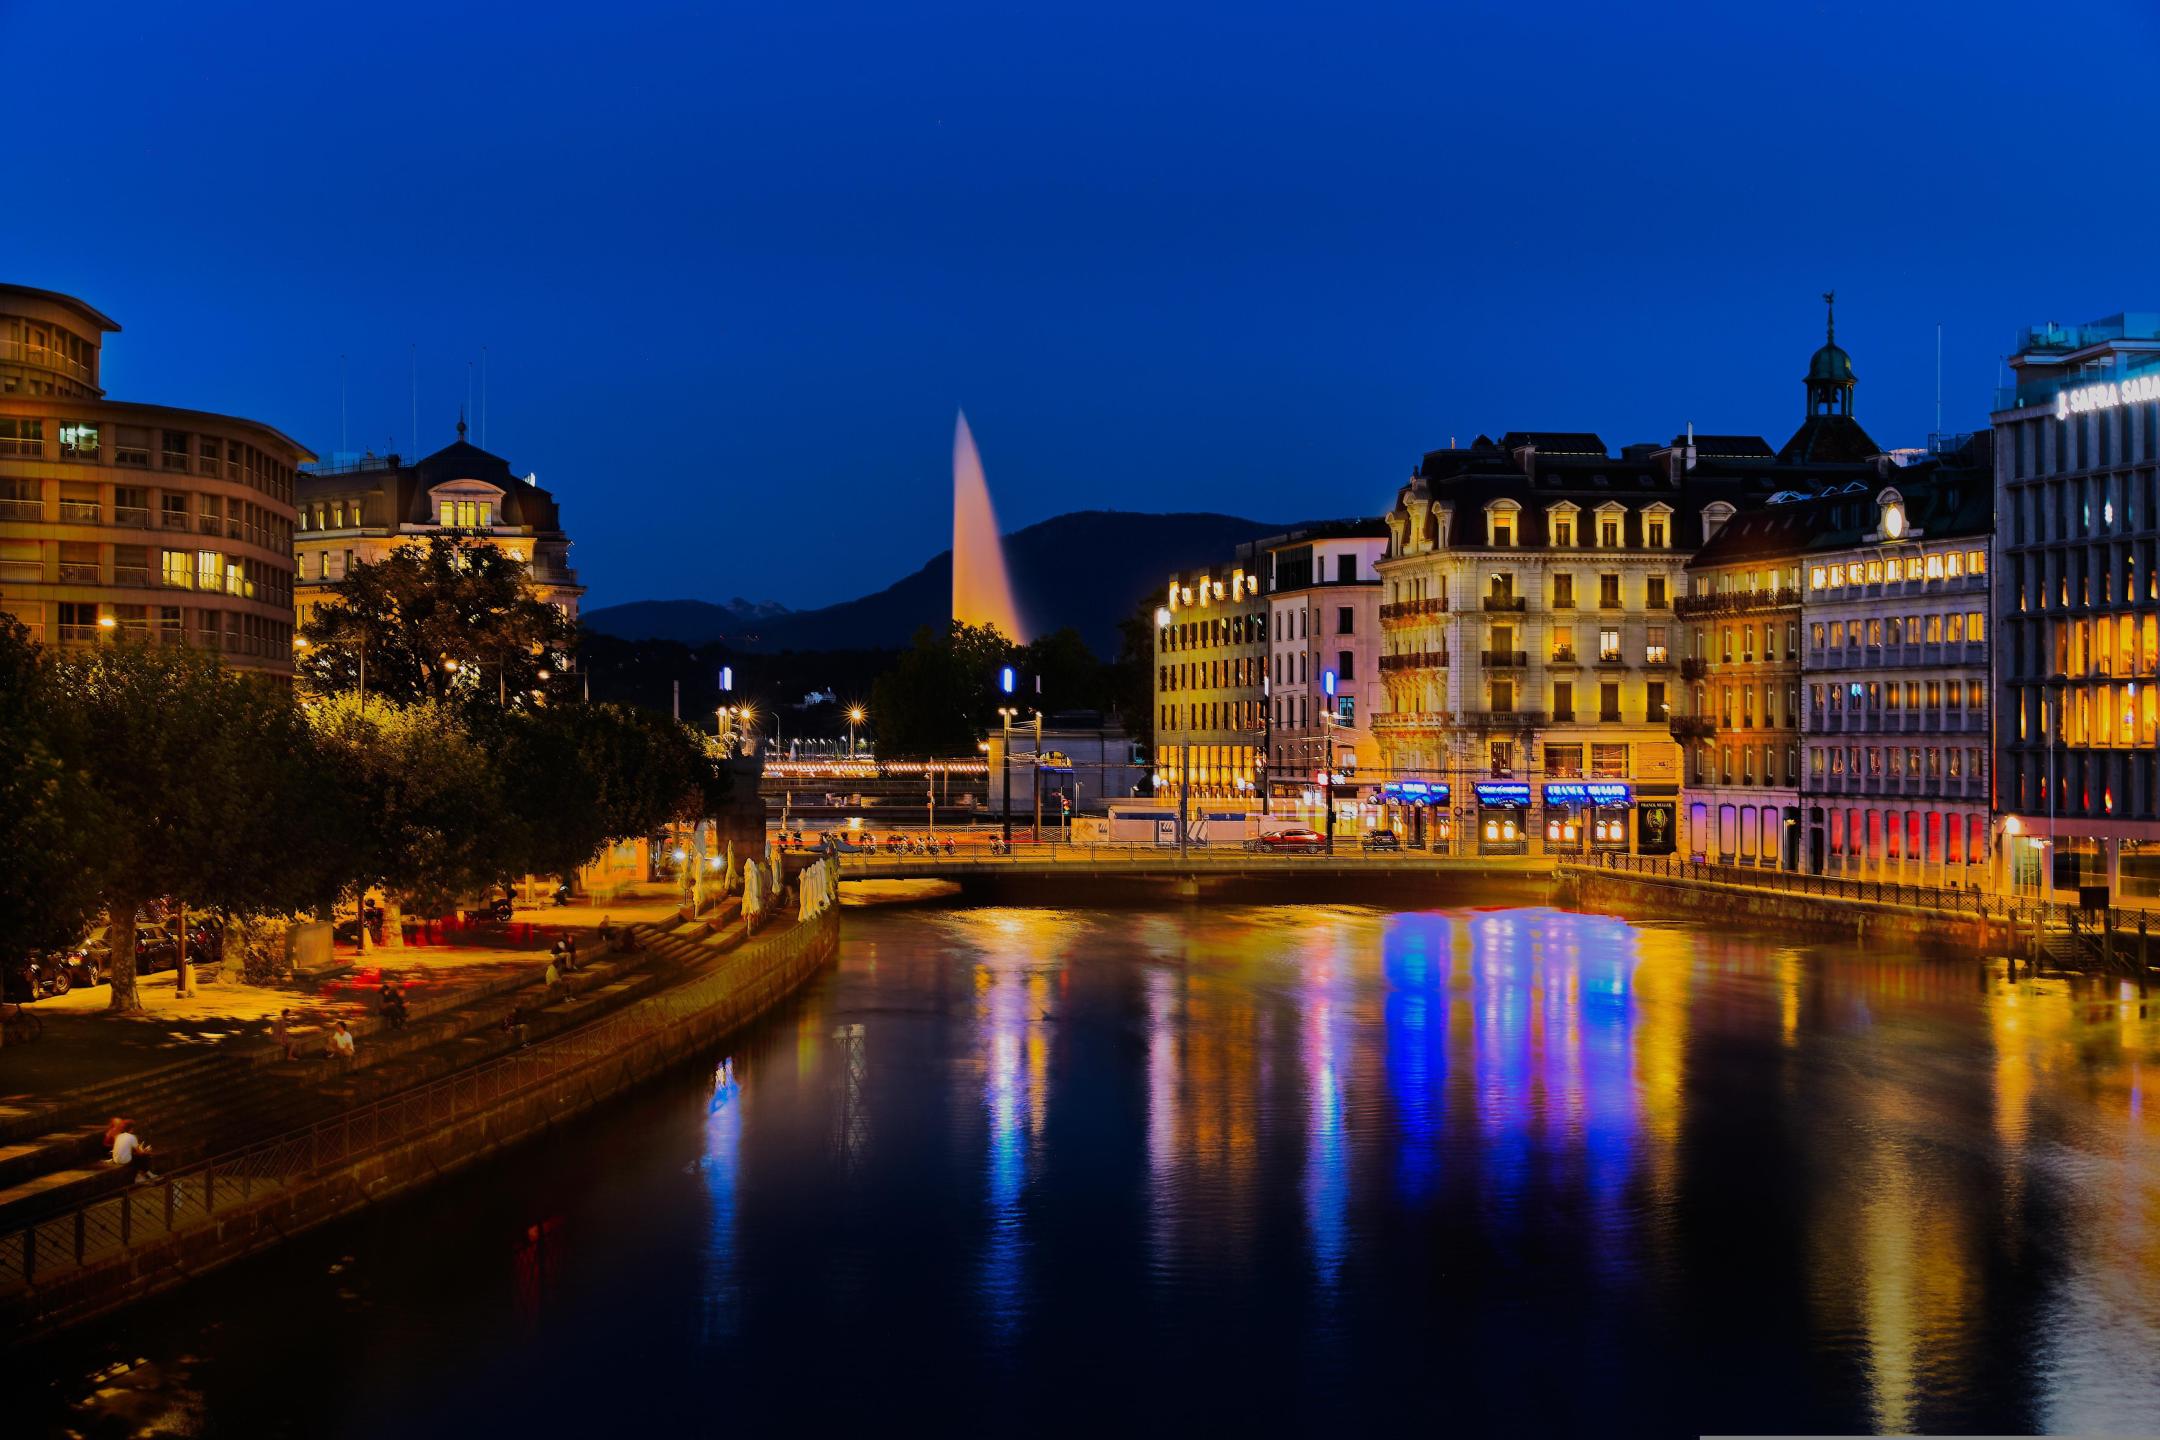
[940, 695]
[454, 619]
[422, 799]
[46, 896]
[1131, 678]
[207, 788]
[576, 777]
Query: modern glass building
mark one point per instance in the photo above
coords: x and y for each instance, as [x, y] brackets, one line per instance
[2077, 445]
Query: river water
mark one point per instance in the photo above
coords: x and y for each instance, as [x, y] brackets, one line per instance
[1277, 1169]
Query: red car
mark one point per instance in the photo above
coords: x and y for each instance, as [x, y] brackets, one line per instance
[1293, 842]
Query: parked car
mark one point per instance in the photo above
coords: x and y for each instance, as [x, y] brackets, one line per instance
[1292, 842]
[1382, 840]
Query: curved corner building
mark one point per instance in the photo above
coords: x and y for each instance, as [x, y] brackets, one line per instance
[123, 521]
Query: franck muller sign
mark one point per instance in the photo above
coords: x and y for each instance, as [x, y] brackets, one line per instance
[2107, 395]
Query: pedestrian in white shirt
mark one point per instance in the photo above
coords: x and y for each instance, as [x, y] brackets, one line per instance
[130, 1151]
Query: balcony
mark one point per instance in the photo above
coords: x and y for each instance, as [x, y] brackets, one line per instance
[1611, 660]
[1407, 609]
[24, 445]
[80, 575]
[1414, 660]
[1694, 668]
[79, 633]
[1505, 603]
[1692, 727]
[1563, 717]
[82, 512]
[212, 525]
[28, 572]
[22, 510]
[1657, 657]
[1741, 603]
[1412, 720]
[1505, 659]
[44, 357]
[132, 575]
[1565, 658]
[174, 519]
[1608, 717]
[136, 516]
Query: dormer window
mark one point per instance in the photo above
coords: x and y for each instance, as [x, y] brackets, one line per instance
[1714, 517]
[1608, 534]
[1500, 529]
[1890, 520]
[466, 514]
[1560, 522]
[1657, 527]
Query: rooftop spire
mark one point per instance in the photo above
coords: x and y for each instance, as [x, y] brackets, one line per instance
[1829, 300]
[461, 422]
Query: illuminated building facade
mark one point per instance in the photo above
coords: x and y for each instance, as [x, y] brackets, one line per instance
[135, 522]
[1323, 607]
[358, 511]
[1895, 625]
[1211, 652]
[1529, 644]
[2077, 441]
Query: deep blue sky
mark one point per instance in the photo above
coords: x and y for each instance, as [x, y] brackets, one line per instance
[735, 266]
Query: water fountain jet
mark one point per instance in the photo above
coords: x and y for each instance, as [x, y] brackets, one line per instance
[981, 589]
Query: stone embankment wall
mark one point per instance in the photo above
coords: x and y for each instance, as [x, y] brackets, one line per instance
[1816, 916]
[744, 983]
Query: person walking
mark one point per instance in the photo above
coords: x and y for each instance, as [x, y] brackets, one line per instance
[281, 1031]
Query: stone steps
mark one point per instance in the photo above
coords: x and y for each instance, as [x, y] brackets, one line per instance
[213, 1104]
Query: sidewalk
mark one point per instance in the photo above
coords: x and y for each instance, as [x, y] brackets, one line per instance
[83, 1045]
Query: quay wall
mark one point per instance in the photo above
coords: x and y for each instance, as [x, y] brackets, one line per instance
[1817, 916]
[744, 983]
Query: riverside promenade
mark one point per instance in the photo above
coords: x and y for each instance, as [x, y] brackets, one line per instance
[252, 1148]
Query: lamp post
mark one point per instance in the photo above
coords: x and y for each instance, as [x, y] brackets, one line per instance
[854, 718]
[1005, 716]
[1327, 733]
[1267, 735]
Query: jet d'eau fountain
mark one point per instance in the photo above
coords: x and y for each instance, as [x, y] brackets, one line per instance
[981, 590]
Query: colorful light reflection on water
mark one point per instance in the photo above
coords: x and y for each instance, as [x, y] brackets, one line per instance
[1283, 1168]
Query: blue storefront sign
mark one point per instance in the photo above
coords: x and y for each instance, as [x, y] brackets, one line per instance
[1589, 792]
[1416, 792]
[1503, 794]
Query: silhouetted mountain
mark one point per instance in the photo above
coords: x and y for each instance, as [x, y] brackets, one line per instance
[1087, 570]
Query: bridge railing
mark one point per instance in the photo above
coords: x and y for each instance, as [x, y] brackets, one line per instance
[1952, 900]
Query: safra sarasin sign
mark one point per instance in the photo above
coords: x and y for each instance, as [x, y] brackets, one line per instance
[2107, 395]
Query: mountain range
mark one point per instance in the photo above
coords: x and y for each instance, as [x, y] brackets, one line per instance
[1086, 570]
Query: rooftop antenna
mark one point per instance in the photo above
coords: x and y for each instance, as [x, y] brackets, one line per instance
[483, 397]
[468, 400]
[1938, 377]
[342, 442]
[414, 440]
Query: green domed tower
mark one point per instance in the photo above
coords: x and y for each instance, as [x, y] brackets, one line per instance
[1829, 434]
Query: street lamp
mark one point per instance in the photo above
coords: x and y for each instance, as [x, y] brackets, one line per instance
[854, 718]
[1162, 625]
[1327, 731]
[1005, 714]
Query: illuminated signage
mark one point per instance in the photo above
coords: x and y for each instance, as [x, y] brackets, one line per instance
[1503, 794]
[2107, 395]
[1415, 791]
[1589, 792]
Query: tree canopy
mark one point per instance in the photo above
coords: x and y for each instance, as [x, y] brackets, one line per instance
[454, 619]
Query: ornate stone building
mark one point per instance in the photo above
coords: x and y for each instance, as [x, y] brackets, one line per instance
[126, 521]
[360, 512]
[1211, 652]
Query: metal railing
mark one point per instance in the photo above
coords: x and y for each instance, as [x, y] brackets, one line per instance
[137, 516]
[82, 511]
[22, 510]
[190, 1196]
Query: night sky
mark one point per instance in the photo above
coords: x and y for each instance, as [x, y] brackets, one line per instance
[736, 266]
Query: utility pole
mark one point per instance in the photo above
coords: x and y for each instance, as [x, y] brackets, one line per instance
[1005, 714]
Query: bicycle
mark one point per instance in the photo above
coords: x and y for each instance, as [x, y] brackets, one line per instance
[19, 1025]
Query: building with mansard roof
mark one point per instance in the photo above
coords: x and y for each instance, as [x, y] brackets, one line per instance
[358, 511]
